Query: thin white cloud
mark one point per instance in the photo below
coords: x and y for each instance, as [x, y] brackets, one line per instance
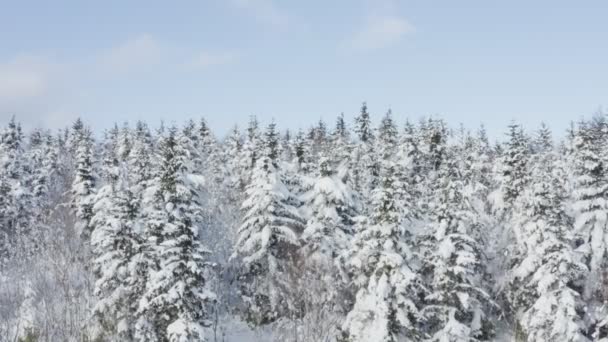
[134, 54]
[34, 89]
[22, 79]
[380, 32]
[207, 59]
[265, 11]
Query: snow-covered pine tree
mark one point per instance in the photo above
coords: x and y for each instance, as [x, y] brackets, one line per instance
[251, 146]
[207, 140]
[124, 143]
[177, 299]
[388, 137]
[481, 171]
[74, 134]
[365, 166]
[590, 207]
[434, 141]
[83, 185]
[110, 157]
[340, 145]
[432, 137]
[15, 197]
[387, 300]
[318, 139]
[543, 141]
[409, 161]
[42, 157]
[140, 160]
[267, 239]
[115, 244]
[236, 165]
[332, 210]
[457, 307]
[214, 162]
[546, 286]
[514, 168]
[303, 154]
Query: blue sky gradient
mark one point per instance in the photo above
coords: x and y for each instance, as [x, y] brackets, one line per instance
[298, 61]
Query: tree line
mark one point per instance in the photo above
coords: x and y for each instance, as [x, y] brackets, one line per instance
[358, 232]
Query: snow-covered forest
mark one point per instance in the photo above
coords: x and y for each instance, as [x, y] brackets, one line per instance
[345, 231]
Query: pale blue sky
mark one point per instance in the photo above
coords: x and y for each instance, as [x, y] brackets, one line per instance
[298, 61]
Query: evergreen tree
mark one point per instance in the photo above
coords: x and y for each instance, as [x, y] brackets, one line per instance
[364, 164]
[124, 144]
[235, 164]
[15, 197]
[267, 238]
[177, 299]
[110, 155]
[363, 125]
[333, 208]
[114, 246]
[388, 136]
[543, 142]
[514, 163]
[590, 213]
[409, 163]
[457, 307]
[546, 284]
[140, 160]
[386, 305]
[83, 186]
[340, 149]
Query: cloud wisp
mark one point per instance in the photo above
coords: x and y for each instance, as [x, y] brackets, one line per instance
[380, 32]
[265, 11]
[133, 54]
[207, 59]
[22, 79]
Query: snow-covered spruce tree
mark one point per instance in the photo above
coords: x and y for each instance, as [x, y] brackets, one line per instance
[543, 141]
[299, 173]
[14, 195]
[206, 138]
[481, 183]
[192, 144]
[303, 154]
[457, 307]
[115, 244]
[74, 134]
[267, 239]
[177, 300]
[340, 145]
[514, 169]
[364, 164]
[318, 139]
[590, 207]
[83, 185]
[409, 163]
[110, 158]
[215, 160]
[139, 161]
[233, 147]
[388, 137]
[434, 144]
[332, 210]
[42, 168]
[546, 285]
[386, 307]
[251, 147]
[432, 137]
[125, 143]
